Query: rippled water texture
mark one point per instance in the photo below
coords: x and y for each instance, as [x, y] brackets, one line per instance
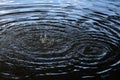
[60, 41]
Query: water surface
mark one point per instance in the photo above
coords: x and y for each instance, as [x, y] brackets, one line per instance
[58, 39]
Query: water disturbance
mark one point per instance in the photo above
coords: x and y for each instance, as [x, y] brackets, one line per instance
[52, 40]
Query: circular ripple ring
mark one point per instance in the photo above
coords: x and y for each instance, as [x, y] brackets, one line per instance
[50, 40]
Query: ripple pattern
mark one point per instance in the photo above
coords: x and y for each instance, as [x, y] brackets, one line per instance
[50, 40]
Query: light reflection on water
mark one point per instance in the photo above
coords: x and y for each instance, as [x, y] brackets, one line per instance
[59, 39]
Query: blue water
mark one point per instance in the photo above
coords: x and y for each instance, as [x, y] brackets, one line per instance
[59, 39]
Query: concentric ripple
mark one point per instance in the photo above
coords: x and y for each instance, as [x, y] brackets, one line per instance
[49, 40]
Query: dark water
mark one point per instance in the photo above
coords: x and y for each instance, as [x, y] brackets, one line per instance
[70, 40]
